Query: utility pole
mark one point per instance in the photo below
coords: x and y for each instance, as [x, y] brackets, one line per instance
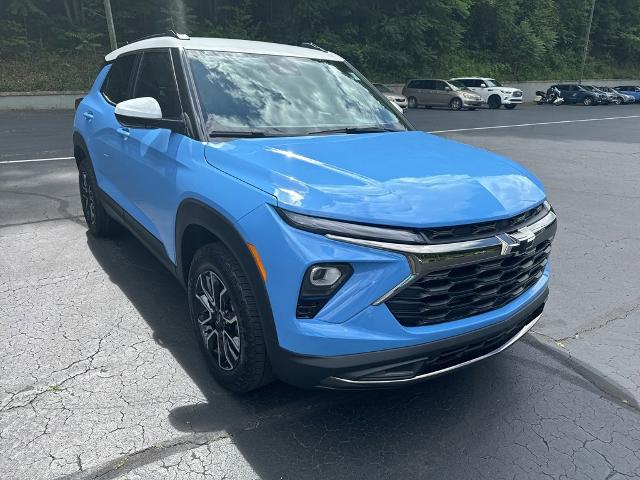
[112, 30]
[586, 41]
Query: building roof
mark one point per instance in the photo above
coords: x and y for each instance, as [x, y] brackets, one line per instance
[223, 45]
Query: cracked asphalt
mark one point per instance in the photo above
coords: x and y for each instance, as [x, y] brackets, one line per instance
[100, 376]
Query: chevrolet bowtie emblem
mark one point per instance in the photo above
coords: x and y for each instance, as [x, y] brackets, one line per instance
[519, 239]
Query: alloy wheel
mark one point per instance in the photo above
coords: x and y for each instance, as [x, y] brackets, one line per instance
[217, 320]
[87, 198]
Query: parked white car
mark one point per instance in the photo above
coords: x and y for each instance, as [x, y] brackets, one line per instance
[492, 92]
[397, 98]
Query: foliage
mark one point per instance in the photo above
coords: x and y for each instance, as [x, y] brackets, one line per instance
[388, 40]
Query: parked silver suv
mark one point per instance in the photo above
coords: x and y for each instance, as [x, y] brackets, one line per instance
[440, 93]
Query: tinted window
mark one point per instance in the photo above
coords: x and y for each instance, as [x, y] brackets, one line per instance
[439, 85]
[116, 87]
[284, 95]
[469, 82]
[156, 80]
[427, 84]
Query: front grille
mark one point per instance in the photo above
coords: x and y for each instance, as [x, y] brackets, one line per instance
[473, 231]
[517, 94]
[460, 292]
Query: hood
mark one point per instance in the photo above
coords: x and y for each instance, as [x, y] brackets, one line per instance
[394, 96]
[508, 89]
[411, 179]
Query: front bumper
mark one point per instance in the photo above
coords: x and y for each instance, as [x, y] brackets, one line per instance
[471, 103]
[409, 365]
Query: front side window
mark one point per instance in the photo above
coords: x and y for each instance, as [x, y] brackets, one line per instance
[493, 83]
[457, 85]
[282, 95]
[156, 80]
[116, 87]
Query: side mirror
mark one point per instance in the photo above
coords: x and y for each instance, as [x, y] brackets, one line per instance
[447, 89]
[483, 85]
[145, 112]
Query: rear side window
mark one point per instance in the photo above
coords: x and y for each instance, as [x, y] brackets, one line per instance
[116, 87]
[427, 84]
[156, 80]
[439, 85]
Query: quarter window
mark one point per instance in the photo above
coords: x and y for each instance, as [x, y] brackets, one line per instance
[116, 87]
[156, 80]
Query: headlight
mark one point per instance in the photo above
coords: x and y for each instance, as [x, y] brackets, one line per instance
[324, 226]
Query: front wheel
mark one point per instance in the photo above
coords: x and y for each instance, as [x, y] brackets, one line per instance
[511, 106]
[226, 320]
[455, 104]
[587, 102]
[617, 101]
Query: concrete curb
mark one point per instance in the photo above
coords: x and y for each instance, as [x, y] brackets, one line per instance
[44, 100]
[586, 371]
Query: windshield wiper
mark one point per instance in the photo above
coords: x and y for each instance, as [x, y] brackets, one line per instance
[355, 130]
[241, 134]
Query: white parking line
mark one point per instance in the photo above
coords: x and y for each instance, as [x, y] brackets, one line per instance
[29, 160]
[533, 124]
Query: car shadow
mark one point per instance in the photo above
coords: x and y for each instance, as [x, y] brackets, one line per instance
[423, 431]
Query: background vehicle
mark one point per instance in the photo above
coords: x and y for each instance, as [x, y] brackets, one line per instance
[550, 97]
[440, 93]
[617, 97]
[397, 98]
[492, 92]
[313, 238]
[574, 93]
[605, 98]
[633, 90]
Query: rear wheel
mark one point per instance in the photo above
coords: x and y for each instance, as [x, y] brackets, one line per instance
[511, 106]
[412, 102]
[587, 102]
[494, 102]
[98, 220]
[455, 104]
[226, 320]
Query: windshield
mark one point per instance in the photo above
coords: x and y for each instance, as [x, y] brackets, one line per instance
[279, 95]
[493, 83]
[457, 85]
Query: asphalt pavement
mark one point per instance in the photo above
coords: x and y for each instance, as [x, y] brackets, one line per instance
[101, 377]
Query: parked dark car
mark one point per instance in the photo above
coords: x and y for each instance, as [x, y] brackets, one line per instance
[633, 90]
[573, 93]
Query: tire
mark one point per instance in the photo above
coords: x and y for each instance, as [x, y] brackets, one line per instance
[412, 102]
[226, 320]
[587, 102]
[455, 104]
[540, 103]
[99, 222]
[511, 106]
[494, 102]
[617, 101]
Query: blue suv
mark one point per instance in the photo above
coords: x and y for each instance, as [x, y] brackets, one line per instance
[321, 239]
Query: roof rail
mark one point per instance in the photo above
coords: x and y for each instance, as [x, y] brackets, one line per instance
[313, 46]
[169, 33]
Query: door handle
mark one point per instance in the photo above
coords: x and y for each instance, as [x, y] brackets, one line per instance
[88, 115]
[124, 132]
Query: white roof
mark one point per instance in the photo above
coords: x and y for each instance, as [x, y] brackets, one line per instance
[223, 45]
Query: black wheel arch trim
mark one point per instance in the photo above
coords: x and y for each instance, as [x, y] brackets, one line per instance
[192, 212]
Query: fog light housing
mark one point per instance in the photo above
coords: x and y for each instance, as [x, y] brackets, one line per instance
[319, 284]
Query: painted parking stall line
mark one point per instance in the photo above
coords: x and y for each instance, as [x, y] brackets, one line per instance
[534, 124]
[33, 160]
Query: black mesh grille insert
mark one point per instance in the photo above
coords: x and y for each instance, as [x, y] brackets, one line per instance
[485, 229]
[461, 292]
